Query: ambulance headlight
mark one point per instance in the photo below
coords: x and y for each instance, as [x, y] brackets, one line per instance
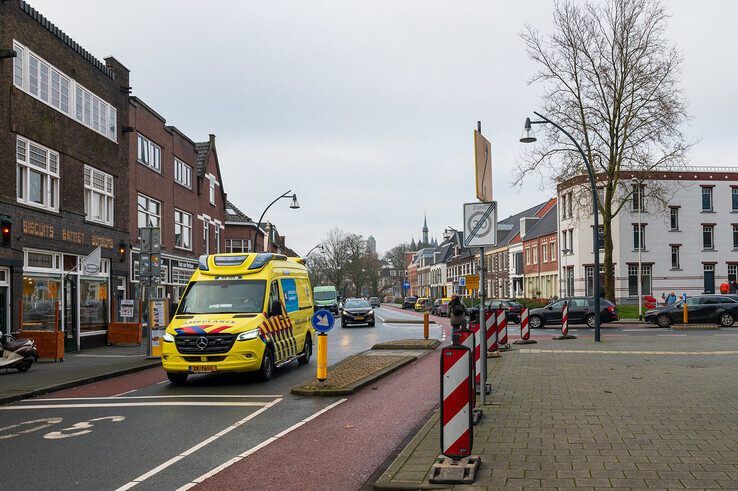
[168, 337]
[245, 336]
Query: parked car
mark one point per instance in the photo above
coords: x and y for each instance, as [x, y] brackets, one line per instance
[374, 301]
[718, 309]
[422, 304]
[389, 299]
[512, 308]
[440, 307]
[581, 311]
[357, 311]
[409, 302]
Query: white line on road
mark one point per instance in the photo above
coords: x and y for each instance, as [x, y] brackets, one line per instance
[126, 392]
[197, 447]
[671, 335]
[109, 356]
[194, 396]
[139, 404]
[379, 317]
[263, 444]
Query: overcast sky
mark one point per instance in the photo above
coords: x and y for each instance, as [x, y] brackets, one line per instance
[366, 108]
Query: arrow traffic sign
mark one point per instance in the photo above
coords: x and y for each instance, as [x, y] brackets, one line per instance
[323, 321]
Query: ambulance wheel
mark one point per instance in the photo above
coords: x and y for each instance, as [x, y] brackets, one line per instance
[177, 378]
[307, 351]
[266, 372]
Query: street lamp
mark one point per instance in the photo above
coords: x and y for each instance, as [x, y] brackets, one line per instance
[294, 205]
[528, 136]
[637, 187]
[319, 246]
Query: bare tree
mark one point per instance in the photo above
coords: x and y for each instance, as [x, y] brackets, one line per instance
[611, 80]
[356, 268]
[396, 256]
[333, 262]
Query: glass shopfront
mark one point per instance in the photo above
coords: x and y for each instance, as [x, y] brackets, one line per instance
[40, 297]
[93, 305]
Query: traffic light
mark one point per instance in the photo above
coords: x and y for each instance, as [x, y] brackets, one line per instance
[5, 226]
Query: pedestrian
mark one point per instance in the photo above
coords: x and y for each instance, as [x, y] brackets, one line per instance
[671, 299]
[733, 287]
[663, 299]
[457, 312]
[724, 288]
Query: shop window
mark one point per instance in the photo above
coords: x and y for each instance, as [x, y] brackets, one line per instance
[37, 175]
[182, 229]
[41, 295]
[93, 307]
[99, 196]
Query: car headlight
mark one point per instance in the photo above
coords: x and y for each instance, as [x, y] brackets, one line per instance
[168, 337]
[245, 336]
[371, 312]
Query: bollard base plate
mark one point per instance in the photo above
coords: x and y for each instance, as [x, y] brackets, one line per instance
[493, 354]
[525, 341]
[565, 336]
[449, 471]
[505, 347]
[477, 415]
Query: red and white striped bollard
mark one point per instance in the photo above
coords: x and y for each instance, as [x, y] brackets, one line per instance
[565, 323]
[524, 329]
[502, 329]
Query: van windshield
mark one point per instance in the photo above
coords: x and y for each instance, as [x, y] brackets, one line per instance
[224, 297]
[327, 295]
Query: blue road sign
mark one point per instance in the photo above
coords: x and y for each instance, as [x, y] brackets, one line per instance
[406, 285]
[462, 281]
[323, 320]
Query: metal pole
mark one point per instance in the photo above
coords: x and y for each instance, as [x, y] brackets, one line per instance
[483, 334]
[640, 248]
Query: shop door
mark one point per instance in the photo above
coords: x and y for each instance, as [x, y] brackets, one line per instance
[70, 314]
[4, 314]
[709, 278]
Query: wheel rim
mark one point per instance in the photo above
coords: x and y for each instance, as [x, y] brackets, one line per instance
[308, 349]
[726, 319]
[663, 321]
[268, 367]
[591, 321]
[535, 322]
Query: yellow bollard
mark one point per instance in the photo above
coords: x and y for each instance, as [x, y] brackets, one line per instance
[425, 325]
[685, 315]
[322, 357]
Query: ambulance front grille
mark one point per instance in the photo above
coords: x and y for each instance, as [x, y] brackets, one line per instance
[195, 344]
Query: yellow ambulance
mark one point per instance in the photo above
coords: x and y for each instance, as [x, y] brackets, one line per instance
[241, 313]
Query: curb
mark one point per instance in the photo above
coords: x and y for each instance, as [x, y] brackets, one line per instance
[361, 383]
[79, 382]
[695, 327]
[431, 345]
[385, 480]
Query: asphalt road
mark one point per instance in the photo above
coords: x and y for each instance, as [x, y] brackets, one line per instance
[140, 431]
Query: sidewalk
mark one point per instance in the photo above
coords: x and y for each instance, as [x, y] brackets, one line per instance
[78, 368]
[635, 413]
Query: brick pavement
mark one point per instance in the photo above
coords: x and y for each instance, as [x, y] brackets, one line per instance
[627, 418]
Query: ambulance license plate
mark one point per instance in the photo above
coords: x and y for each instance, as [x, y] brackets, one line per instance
[203, 368]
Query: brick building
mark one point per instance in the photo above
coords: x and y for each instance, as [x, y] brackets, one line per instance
[63, 162]
[175, 184]
[540, 253]
[241, 232]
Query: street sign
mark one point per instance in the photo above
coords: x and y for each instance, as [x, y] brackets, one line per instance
[323, 321]
[126, 309]
[150, 239]
[406, 285]
[483, 166]
[471, 281]
[462, 281]
[480, 224]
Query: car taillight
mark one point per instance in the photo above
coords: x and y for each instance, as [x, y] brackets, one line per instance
[611, 309]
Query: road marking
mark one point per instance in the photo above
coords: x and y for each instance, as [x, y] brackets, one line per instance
[194, 396]
[197, 447]
[253, 449]
[46, 422]
[84, 428]
[140, 404]
[379, 317]
[637, 330]
[671, 335]
[126, 392]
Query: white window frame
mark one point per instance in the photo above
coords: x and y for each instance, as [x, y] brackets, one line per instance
[56, 262]
[50, 174]
[544, 252]
[673, 218]
[711, 230]
[43, 81]
[147, 212]
[182, 173]
[212, 191]
[709, 193]
[182, 224]
[217, 238]
[206, 236]
[675, 254]
[640, 231]
[148, 153]
[106, 193]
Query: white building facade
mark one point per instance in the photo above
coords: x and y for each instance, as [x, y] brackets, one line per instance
[686, 232]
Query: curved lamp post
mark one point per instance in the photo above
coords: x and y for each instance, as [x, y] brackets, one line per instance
[319, 246]
[529, 137]
[294, 205]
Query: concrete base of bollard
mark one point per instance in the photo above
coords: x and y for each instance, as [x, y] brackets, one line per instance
[525, 341]
[477, 415]
[450, 471]
[565, 336]
[505, 347]
[493, 354]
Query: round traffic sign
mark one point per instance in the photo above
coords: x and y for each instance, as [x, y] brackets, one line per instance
[323, 320]
[406, 285]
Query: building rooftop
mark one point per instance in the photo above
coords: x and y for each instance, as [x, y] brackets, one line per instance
[547, 225]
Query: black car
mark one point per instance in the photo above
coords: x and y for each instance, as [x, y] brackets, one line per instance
[581, 311]
[357, 311]
[718, 309]
[374, 302]
[409, 302]
[512, 309]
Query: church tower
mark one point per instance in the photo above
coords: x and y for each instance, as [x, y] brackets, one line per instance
[425, 229]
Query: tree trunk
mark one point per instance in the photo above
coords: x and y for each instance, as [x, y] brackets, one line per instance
[609, 270]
